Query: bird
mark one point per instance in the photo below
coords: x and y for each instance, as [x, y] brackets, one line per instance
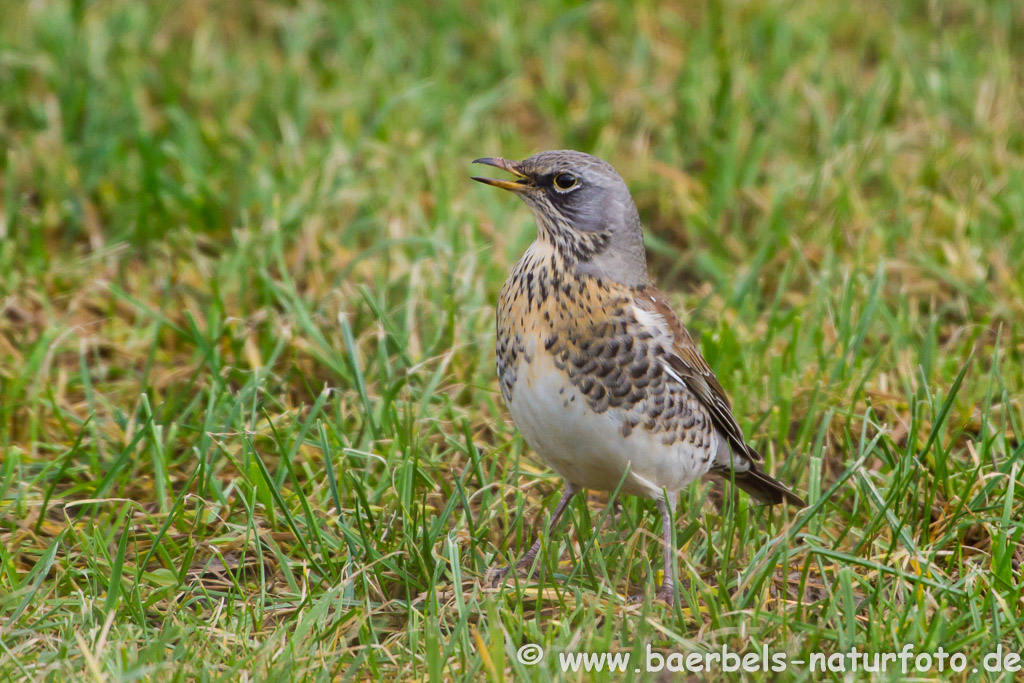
[601, 377]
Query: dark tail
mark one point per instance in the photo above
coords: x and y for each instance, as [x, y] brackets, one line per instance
[764, 489]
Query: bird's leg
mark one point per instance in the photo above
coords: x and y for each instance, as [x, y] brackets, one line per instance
[526, 561]
[666, 591]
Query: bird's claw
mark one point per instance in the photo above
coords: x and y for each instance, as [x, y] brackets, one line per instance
[495, 575]
[664, 594]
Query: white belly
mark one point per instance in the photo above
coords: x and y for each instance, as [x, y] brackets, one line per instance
[588, 448]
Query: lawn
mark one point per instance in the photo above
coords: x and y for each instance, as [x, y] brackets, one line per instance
[250, 427]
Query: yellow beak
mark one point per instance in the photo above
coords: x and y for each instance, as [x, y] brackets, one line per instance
[505, 165]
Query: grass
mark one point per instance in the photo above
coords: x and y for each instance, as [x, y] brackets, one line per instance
[249, 423]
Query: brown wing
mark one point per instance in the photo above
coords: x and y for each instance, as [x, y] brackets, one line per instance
[694, 371]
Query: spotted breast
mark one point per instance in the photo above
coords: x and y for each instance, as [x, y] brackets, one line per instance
[580, 362]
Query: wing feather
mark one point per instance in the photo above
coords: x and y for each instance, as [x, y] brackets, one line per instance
[685, 364]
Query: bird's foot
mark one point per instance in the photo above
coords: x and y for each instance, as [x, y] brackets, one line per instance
[496, 575]
[665, 593]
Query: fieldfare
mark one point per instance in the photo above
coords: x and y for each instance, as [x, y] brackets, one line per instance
[601, 377]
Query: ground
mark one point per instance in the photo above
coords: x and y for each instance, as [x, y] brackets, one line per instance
[249, 419]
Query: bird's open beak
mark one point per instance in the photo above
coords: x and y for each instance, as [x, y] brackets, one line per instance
[506, 165]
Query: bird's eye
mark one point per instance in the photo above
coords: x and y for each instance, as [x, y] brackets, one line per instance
[564, 182]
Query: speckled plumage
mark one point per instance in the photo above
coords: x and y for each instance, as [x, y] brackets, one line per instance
[600, 375]
[590, 329]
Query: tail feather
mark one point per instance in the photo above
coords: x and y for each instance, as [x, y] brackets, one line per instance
[765, 489]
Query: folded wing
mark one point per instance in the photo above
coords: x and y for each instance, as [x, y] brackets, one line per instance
[684, 362]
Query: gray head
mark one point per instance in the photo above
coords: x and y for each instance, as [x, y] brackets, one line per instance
[583, 207]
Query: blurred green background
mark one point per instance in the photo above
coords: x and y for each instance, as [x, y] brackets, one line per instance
[249, 423]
